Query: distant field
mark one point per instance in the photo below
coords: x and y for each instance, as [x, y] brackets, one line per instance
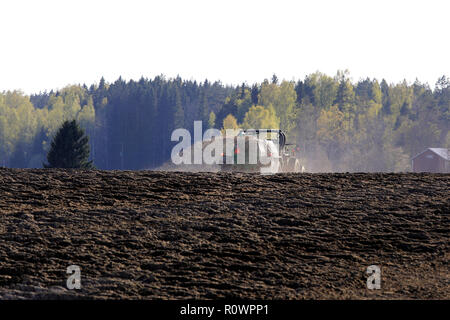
[144, 234]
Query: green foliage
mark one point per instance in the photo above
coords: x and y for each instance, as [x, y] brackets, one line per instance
[345, 94]
[282, 98]
[236, 104]
[230, 122]
[340, 125]
[211, 120]
[370, 126]
[69, 148]
[259, 117]
[324, 89]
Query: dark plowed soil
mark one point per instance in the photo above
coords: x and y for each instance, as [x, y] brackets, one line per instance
[213, 235]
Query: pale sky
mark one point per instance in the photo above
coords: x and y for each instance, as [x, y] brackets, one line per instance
[50, 44]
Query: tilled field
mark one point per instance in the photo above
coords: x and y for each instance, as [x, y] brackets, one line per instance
[149, 235]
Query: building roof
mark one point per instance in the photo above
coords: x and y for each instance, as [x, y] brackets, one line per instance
[441, 152]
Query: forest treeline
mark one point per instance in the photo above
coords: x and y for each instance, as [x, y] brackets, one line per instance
[339, 125]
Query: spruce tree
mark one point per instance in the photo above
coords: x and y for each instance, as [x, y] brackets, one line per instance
[69, 148]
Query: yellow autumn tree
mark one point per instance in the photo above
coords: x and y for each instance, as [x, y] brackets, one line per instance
[330, 126]
[259, 117]
[229, 122]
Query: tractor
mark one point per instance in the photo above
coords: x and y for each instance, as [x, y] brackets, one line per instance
[278, 156]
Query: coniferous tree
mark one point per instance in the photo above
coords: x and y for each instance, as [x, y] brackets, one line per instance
[255, 93]
[69, 148]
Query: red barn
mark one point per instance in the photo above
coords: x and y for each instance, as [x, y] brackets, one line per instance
[432, 160]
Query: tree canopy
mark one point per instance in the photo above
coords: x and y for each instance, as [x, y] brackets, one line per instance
[69, 148]
[340, 125]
